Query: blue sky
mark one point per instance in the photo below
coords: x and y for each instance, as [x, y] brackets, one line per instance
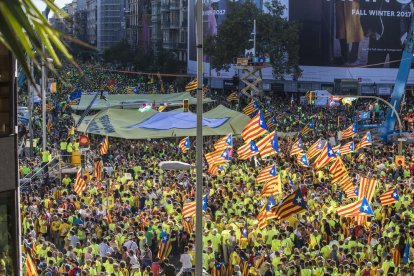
[41, 4]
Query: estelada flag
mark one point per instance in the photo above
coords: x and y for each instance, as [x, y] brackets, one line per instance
[269, 145]
[247, 150]
[255, 128]
[291, 205]
[80, 183]
[97, 169]
[104, 146]
[192, 85]
[224, 142]
[217, 157]
[347, 148]
[232, 97]
[360, 207]
[184, 144]
[189, 209]
[389, 197]
[188, 224]
[366, 140]
[315, 149]
[251, 108]
[266, 174]
[297, 147]
[272, 187]
[350, 132]
[325, 157]
[164, 248]
[30, 267]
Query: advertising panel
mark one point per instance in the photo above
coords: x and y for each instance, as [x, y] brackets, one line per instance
[333, 33]
[352, 33]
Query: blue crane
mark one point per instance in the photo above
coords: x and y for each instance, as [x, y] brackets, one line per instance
[388, 126]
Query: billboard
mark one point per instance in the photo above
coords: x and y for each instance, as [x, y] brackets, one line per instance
[349, 35]
[352, 33]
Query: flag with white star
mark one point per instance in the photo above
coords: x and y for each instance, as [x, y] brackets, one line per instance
[347, 148]
[366, 140]
[303, 160]
[325, 157]
[185, 144]
[164, 248]
[224, 142]
[269, 145]
[350, 132]
[255, 128]
[315, 149]
[389, 197]
[360, 207]
[291, 205]
[297, 147]
[266, 174]
[247, 150]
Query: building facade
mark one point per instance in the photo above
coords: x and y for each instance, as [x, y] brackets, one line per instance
[138, 24]
[156, 34]
[110, 23]
[9, 193]
[91, 22]
[174, 27]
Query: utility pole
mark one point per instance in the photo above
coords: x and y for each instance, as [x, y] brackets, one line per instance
[254, 37]
[43, 87]
[199, 145]
[30, 106]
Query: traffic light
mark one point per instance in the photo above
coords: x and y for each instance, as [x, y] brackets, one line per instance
[185, 105]
[311, 96]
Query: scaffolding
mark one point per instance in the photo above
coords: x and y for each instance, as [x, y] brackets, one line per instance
[251, 75]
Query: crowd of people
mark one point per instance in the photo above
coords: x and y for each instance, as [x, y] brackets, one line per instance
[120, 224]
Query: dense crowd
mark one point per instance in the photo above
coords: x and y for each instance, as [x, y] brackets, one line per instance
[117, 225]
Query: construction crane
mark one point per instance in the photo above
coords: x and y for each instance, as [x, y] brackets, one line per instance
[397, 95]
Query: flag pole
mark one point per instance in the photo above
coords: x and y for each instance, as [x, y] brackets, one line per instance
[199, 145]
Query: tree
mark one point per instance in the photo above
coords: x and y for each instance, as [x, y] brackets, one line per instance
[120, 52]
[275, 35]
[24, 29]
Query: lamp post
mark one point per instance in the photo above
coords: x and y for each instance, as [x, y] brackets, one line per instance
[43, 88]
[199, 145]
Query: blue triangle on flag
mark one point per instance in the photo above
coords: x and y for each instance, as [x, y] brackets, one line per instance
[395, 195]
[365, 207]
[273, 170]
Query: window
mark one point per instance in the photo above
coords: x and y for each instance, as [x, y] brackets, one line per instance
[8, 231]
[304, 86]
[6, 88]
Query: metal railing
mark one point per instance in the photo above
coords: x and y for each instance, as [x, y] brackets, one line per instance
[53, 166]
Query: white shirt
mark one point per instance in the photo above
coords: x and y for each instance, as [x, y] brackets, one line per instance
[131, 245]
[186, 260]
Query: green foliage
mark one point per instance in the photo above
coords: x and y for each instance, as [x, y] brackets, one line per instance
[23, 30]
[120, 52]
[275, 35]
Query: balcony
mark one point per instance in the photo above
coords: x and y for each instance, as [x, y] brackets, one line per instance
[175, 46]
[174, 25]
[165, 7]
[175, 5]
[165, 24]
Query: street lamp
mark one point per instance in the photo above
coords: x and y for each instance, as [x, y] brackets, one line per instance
[175, 166]
[43, 85]
[199, 145]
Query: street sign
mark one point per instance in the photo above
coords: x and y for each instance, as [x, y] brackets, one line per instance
[84, 141]
[400, 160]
